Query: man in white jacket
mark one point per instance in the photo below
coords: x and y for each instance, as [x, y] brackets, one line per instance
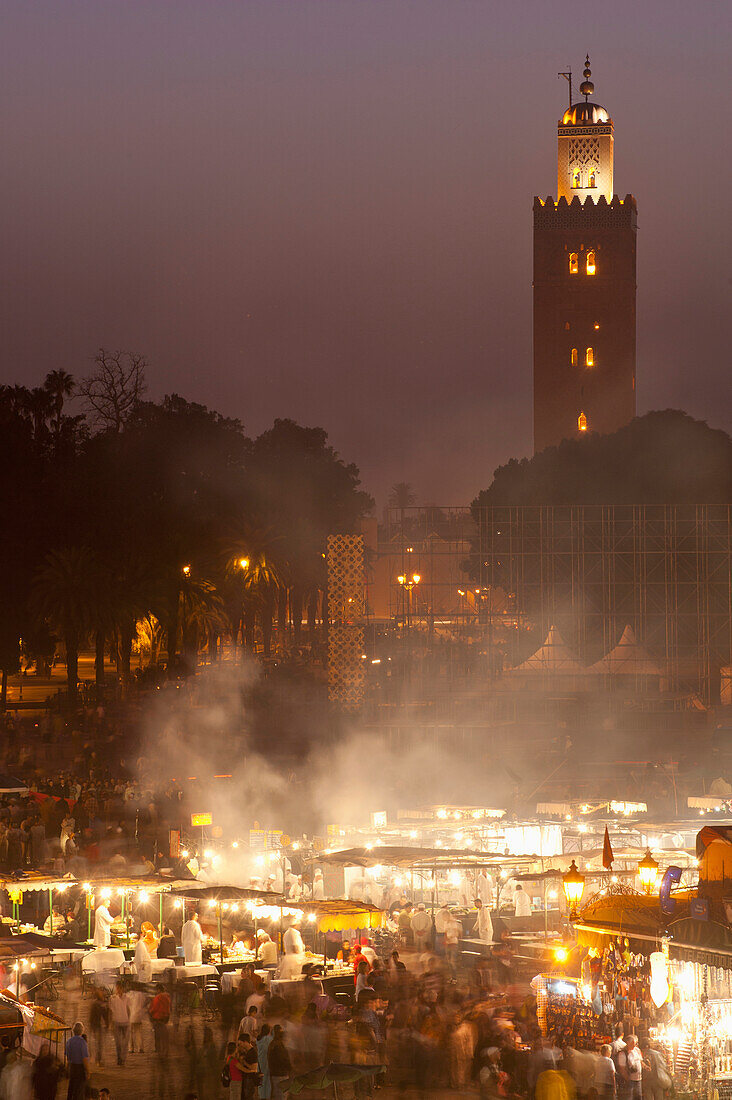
[143, 962]
[522, 901]
[191, 938]
[294, 953]
[102, 926]
[483, 924]
[421, 927]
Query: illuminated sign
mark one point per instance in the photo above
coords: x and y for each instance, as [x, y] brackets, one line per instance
[199, 820]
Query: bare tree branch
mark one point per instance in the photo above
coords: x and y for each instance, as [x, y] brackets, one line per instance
[113, 391]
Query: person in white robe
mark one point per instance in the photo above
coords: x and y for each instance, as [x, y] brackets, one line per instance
[484, 888]
[484, 924]
[102, 926]
[522, 901]
[318, 886]
[294, 953]
[191, 938]
[143, 962]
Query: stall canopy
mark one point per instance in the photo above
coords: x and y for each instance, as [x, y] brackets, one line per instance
[628, 658]
[553, 656]
[339, 915]
[10, 785]
[38, 882]
[419, 858]
[223, 893]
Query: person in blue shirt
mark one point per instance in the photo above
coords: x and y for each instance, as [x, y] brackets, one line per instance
[77, 1055]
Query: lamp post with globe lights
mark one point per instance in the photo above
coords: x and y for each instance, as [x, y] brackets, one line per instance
[574, 887]
[648, 872]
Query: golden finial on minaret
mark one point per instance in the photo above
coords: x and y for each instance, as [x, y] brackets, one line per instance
[587, 87]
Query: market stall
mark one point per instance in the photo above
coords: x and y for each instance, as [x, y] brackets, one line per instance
[660, 961]
[233, 905]
[45, 893]
[138, 898]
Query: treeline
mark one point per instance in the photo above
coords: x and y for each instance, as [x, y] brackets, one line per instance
[157, 524]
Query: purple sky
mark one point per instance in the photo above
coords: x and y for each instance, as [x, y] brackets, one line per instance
[322, 208]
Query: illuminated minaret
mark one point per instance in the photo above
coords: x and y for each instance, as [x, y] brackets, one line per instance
[584, 285]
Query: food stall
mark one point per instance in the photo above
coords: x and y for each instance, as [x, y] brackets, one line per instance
[139, 899]
[40, 890]
[237, 907]
[343, 918]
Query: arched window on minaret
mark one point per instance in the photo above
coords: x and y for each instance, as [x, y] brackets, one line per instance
[573, 263]
[591, 263]
[576, 179]
[582, 422]
[592, 182]
[573, 357]
[589, 358]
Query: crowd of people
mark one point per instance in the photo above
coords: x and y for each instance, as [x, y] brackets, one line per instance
[415, 1020]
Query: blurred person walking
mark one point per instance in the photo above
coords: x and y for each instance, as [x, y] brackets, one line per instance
[46, 1073]
[278, 1060]
[119, 1011]
[77, 1057]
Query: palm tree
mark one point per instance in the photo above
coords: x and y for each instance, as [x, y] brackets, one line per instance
[254, 572]
[38, 407]
[62, 596]
[202, 616]
[402, 496]
[59, 385]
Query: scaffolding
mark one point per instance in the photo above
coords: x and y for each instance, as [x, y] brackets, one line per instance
[591, 570]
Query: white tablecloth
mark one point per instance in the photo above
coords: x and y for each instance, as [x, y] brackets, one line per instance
[194, 970]
[158, 966]
[105, 958]
[70, 955]
[231, 979]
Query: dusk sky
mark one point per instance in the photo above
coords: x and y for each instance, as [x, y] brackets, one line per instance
[323, 210]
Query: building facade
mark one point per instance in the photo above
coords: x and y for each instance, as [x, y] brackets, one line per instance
[584, 286]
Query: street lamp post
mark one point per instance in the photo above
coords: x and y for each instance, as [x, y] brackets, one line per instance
[648, 871]
[574, 887]
[409, 583]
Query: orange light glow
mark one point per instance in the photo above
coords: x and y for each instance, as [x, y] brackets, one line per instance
[590, 263]
[573, 263]
[582, 422]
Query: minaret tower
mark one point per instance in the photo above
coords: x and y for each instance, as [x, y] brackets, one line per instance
[584, 285]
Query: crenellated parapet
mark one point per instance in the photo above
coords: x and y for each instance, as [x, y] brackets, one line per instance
[600, 214]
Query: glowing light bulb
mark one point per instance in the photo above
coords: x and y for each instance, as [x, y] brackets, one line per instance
[143, 896]
[235, 844]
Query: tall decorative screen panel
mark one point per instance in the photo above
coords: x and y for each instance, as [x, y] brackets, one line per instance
[346, 666]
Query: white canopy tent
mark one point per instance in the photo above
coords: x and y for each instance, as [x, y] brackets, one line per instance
[627, 658]
[552, 657]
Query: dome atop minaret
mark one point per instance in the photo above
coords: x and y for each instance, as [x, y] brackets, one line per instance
[584, 113]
